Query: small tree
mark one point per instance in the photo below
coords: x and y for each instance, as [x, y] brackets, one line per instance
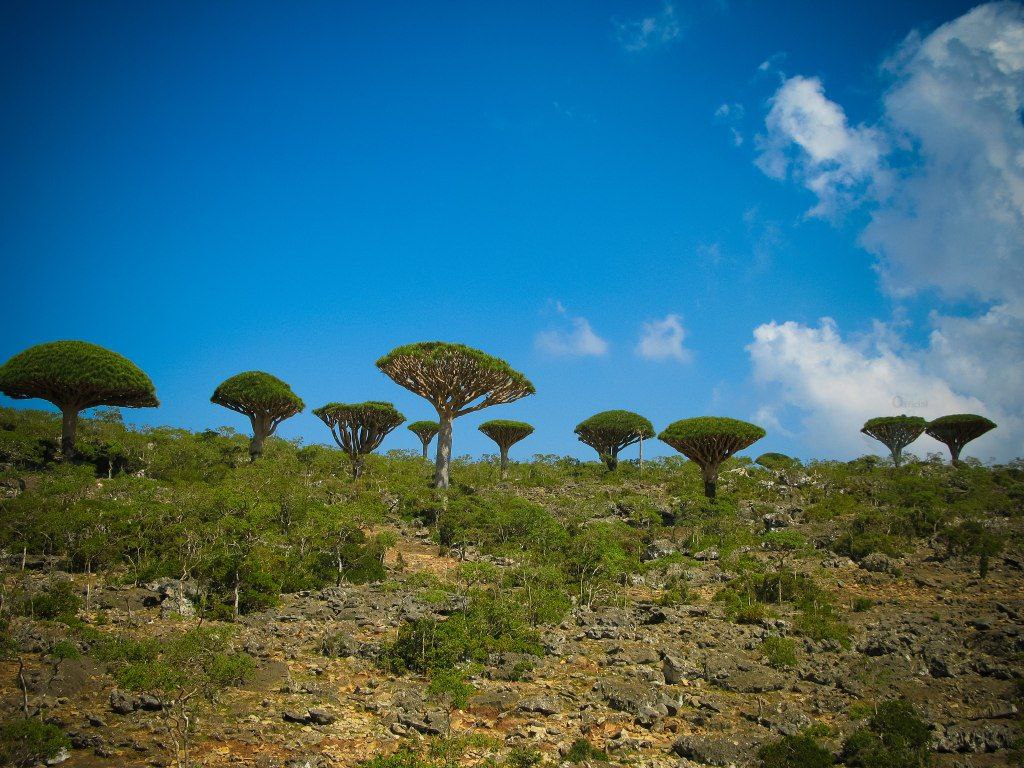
[957, 430]
[609, 432]
[456, 380]
[708, 441]
[74, 376]
[506, 434]
[425, 431]
[895, 432]
[265, 399]
[359, 428]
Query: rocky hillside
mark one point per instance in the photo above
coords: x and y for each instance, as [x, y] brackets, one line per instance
[778, 611]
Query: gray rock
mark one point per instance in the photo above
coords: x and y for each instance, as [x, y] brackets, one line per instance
[432, 722]
[544, 704]
[707, 750]
[657, 549]
[989, 737]
[876, 562]
[122, 703]
[321, 717]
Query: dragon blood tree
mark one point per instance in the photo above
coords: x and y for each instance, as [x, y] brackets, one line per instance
[957, 430]
[359, 428]
[506, 434]
[707, 441]
[609, 432]
[895, 432]
[456, 380]
[75, 375]
[265, 399]
[425, 431]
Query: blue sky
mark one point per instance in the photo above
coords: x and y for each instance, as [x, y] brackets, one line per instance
[210, 188]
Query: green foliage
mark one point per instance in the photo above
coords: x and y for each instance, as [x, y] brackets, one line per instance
[438, 354]
[971, 537]
[958, 429]
[776, 461]
[708, 441]
[27, 742]
[199, 659]
[582, 750]
[796, 751]
[425, 430]
[681, 434]
[257, 392]
[522, 757]
[506, 432]
[780, 652]
[895, 432]
[76, 373]
[490, 623]
[609, 432]
[403, 758]
[450, 684]
[895, 737]
[56, 599]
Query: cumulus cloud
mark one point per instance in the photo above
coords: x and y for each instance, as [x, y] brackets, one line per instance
[576, 337]
[650, 31]
[942, 177]
[838, 384]
[808, 138]
[663, 340]
[956, 223]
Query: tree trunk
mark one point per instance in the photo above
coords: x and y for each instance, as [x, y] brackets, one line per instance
[504, 460]
[425, 444]
[259, 434]
[954, 453]
[611, 461]
[897, 456]
[357, 466]
[67, 432]
[710, 475]
[444, 451]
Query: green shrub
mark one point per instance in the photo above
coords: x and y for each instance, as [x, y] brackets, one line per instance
[490, 623]
[895, 737]
[973, 538]
[800, 751]
[57, 599]
[779, 651]
[522, 757]
[26, 742]
[450, 683]
[861, 604]
[819, 621]
[582, 749]
[403, 758]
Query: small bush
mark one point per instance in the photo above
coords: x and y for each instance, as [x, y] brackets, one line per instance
[452, 684]
[895, 737]
[801, 751]
[57, 599]
[861, 604]
[582, 749]
[779, 651]
[25, 742]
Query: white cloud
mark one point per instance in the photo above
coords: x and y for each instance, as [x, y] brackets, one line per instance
[731, 115]
[650, 31]
[663, 340]
[956, 223]
[809, 139]
[838, 384]
[942, 172]
[575, 339]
